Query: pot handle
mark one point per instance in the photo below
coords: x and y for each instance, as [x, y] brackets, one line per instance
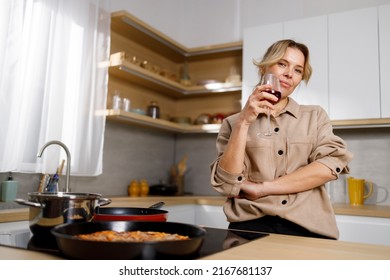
[28, 203]
[104, 201]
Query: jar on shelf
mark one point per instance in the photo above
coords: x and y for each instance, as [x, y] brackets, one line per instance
[134, 188]
[116, 100]
[144, 188]
[154, 110]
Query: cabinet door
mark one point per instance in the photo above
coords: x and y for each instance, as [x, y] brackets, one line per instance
[256, 42]
[313, 33]
[384, 52]
[371, 230]
[354, 65]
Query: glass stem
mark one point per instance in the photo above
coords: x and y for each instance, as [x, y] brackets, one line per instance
[269, 120]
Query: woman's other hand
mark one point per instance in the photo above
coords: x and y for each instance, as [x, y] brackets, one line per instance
[252, 191]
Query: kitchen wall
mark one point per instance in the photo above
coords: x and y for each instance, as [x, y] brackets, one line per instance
[132, 152]
[136, 153]
[371, 149]
[204, 22]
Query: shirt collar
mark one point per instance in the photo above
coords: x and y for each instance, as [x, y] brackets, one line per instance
[292, 107]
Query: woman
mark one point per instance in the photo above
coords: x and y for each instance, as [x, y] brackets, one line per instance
[276, 183]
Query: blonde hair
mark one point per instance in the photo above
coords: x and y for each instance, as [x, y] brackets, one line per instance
[276, 52]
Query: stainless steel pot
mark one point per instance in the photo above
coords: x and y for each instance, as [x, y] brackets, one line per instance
[48, 210]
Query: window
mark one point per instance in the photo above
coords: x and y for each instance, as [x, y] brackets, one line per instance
[53, 83]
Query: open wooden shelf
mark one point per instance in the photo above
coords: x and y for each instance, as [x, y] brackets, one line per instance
[138, 119]
[124, 23]
[133, 73]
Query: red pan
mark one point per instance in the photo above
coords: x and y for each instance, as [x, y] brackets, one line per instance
[131, 213]
[75, 248]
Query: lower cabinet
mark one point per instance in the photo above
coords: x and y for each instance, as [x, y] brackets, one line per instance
[15, 233]
[370, 230]
[201, 215]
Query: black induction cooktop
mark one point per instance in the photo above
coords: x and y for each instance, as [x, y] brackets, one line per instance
[216, 240]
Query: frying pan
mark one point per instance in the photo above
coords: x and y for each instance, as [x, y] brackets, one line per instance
[75, 248]
[131, 213]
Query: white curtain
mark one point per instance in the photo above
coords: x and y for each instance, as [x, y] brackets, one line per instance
[53, 83]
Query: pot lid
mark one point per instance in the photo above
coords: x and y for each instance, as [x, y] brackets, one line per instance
[63, 195]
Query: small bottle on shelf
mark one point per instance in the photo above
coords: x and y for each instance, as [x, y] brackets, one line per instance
[154, 110]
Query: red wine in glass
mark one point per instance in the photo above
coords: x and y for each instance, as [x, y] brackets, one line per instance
[278, 94]
[271, 79]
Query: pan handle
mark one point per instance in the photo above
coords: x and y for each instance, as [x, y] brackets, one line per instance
[28, 203]
[104, 201]
[157, 205]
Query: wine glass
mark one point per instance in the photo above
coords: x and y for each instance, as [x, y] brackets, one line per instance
[271, 79]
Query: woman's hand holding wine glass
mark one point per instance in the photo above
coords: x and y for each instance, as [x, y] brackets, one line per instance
[271, 79]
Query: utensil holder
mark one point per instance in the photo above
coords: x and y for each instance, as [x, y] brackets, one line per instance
[179, 182]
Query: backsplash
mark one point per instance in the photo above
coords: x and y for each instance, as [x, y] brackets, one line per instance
[371, 149]
[132, 152]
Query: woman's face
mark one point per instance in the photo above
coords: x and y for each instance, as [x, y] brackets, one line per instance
[289, 70]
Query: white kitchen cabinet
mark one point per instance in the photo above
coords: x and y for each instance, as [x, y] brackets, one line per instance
[354, 65]
[384, 52]
[350, 58]
[371, 230]
[256, 42]
[313, 32]
[211, 216]
[15, 233]
[202, 215]
[181, 213]
[310, 31]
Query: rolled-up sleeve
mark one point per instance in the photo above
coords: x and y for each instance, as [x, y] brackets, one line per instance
[330, 149]
[222, 181]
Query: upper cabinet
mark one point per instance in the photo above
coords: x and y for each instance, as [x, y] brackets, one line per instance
[256, 41]
[147, 66]
[354, 65]
[384, 47]
[313, 32]
[350, 59]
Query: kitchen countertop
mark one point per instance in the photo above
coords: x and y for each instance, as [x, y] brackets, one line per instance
[271, 247]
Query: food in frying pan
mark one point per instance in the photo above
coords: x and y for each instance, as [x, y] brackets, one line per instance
[131, 236]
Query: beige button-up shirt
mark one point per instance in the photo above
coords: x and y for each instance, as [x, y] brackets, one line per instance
[304, 135]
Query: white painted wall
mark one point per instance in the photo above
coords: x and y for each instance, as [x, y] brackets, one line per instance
[191, 23]
[204, 22]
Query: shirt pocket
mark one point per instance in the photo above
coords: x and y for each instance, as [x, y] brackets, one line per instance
[299, 150]
[259, 160]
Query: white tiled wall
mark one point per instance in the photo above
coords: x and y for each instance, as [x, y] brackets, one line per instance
[131, 152]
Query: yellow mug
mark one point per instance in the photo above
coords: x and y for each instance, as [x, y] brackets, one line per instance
[356, 190]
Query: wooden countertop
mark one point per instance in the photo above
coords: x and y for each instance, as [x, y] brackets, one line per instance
[285, 247]
[381, 211]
